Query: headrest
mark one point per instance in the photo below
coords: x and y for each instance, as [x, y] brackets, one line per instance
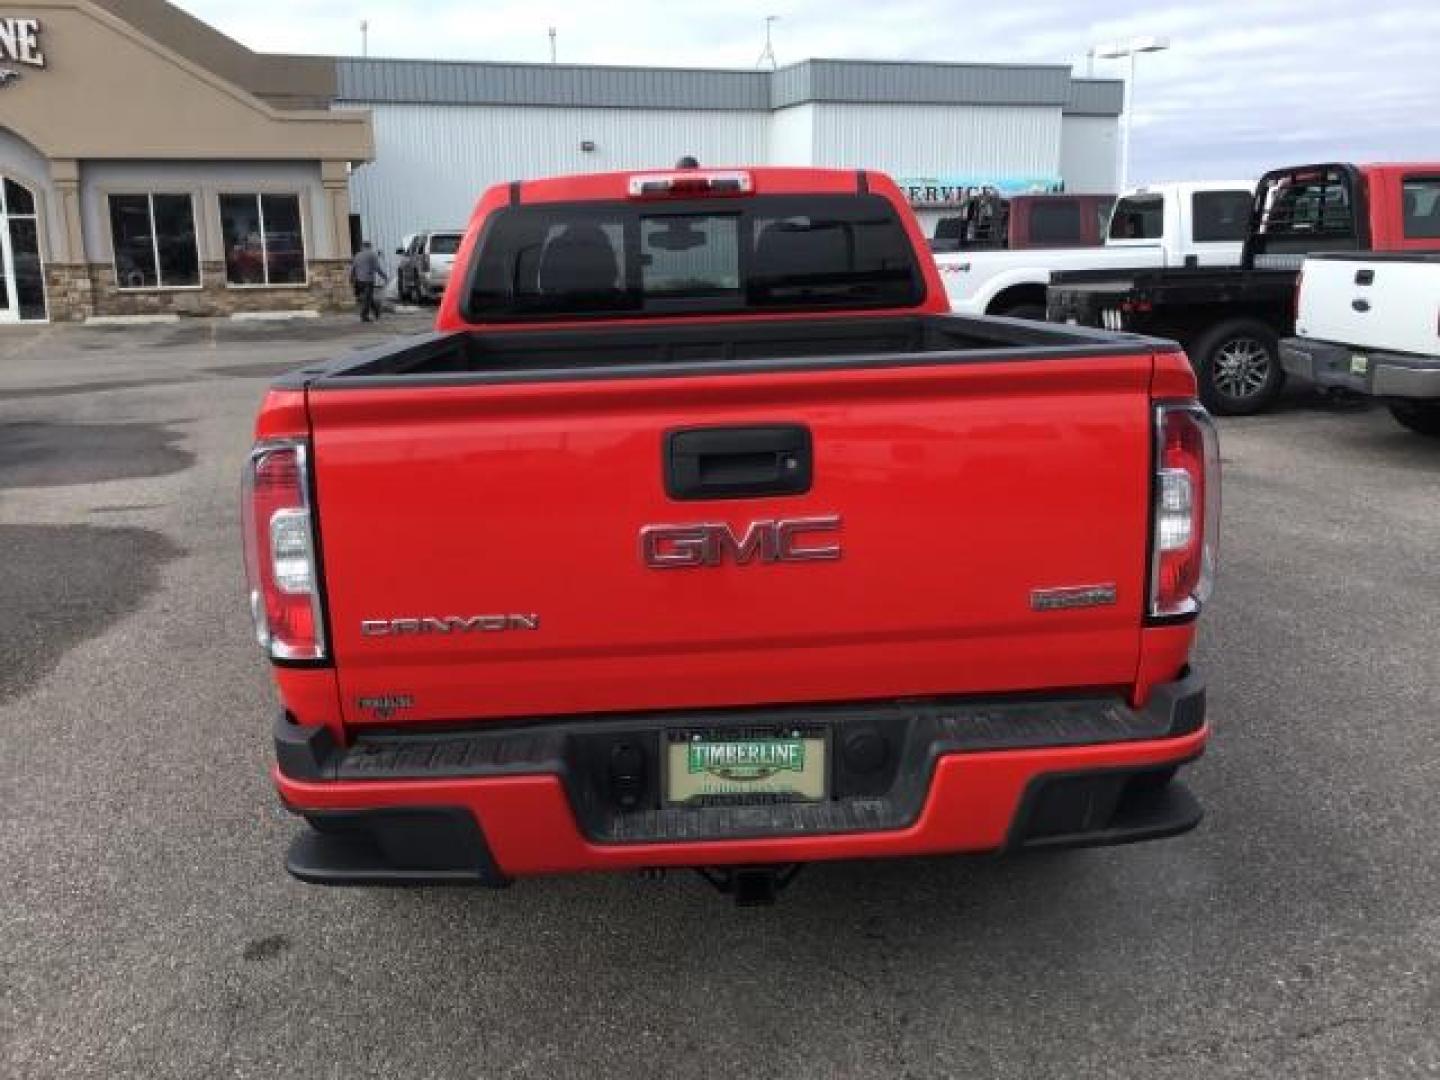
[580, 260]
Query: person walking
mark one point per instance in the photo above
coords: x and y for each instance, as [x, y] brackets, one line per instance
[368, 275]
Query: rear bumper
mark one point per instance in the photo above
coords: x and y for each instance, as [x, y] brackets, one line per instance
[1361, 371]
[481, 806]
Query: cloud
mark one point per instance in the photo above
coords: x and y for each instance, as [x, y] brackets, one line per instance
[1247, 84]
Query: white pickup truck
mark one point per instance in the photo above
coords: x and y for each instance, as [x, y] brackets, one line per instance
[1163, 225]
[1369, 323]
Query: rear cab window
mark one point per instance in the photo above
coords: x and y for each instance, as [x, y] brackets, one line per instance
[1220, 216]
[1056, 221]
[1138, 217]
[1420, 197]
[780, 253]
[444, 243]
[1302, 211]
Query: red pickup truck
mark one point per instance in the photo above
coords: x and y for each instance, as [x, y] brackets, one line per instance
[700, 534]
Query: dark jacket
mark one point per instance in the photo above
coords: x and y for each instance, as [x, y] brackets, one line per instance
[366, 268]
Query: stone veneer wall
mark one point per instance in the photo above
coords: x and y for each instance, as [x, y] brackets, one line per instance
[77, 291]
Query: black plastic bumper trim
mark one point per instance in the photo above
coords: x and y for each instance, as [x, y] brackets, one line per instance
[884, 756]
[1103, 807]
[432, 845]
[302, 751]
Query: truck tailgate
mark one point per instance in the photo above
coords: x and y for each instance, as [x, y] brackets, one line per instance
[482, 553]
[1382, 303]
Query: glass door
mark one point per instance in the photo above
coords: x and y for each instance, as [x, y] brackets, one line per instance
[9, 311]
[22, 276]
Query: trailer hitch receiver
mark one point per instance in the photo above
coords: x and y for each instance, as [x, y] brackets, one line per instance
[751, 886]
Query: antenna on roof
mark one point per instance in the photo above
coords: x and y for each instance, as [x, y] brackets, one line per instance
[364, 37]
[768, 53]
[552, 44]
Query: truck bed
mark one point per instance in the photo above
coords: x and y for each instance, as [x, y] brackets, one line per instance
[513, 470]
[618, 351]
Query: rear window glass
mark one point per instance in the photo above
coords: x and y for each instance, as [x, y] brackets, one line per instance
[690, 255]
[1138, 217]
[444, 243]
[1308, 204]
[1422, 208]
[1053, 221]
[777, 252]
[1220, 215]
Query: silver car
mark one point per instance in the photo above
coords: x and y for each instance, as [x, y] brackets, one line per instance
[424, 265]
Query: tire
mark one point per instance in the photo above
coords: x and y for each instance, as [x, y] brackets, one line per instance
[1034, 312]
[1421, 417]
[1237, 363]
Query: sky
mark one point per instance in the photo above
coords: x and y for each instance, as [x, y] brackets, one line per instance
[1246, 84]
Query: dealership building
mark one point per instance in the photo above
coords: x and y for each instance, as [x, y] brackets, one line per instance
[151, 165]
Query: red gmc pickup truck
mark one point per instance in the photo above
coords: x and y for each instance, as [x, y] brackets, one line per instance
[700, 534]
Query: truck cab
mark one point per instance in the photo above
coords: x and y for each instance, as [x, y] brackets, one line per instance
[1196, 224]
[1201, 223]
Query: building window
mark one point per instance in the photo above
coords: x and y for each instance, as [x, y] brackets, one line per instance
[154, 242]
[264, 243]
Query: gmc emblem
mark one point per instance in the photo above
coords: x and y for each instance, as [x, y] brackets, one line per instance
[666, 547]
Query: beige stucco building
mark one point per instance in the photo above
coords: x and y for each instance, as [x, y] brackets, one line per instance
[150, 164]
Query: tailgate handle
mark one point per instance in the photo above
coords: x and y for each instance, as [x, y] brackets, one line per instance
[1365, 277]
[1360, 305]
[738, 462]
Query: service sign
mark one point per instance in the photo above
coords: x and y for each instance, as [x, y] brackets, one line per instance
[938, 192]
[19, 44]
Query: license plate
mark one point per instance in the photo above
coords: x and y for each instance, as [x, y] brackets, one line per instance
[783, 765]
[1359, 364]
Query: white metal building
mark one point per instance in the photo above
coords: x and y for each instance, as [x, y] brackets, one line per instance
[445, 131]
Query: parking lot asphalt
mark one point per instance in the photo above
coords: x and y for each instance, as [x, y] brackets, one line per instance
[147, 927]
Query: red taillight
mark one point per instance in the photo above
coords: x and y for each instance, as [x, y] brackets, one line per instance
[690, 182]
[1185, 529]
[280, 563]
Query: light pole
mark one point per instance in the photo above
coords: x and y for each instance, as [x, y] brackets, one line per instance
[1114, 51]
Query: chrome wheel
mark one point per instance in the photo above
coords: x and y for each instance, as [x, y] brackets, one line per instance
[1241, 367]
